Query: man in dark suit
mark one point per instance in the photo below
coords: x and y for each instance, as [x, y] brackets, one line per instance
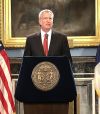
[57, 44]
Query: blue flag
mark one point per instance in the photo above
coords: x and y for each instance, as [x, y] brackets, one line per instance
[98, 55]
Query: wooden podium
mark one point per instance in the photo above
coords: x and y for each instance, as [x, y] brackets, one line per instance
[53, 101]
[46, 108]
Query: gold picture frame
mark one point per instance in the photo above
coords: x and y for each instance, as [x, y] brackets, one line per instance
[10, 41]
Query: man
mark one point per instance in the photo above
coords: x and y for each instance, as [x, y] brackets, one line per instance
[57, 42]
[57, 46]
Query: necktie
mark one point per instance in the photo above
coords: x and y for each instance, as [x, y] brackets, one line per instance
[45, 44]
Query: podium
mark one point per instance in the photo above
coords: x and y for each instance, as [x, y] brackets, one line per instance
[44, 92]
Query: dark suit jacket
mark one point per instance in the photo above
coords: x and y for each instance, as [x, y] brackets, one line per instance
[58, 45]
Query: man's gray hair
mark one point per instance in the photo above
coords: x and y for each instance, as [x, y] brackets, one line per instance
[46, 10]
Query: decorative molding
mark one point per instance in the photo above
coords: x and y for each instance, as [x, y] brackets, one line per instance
[80, 65]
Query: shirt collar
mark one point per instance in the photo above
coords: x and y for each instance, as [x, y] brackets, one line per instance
[49, 32]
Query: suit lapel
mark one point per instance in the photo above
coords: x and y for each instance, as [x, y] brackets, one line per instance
[39, 44]
[52, 44]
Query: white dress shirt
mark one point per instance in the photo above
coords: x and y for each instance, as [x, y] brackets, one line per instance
[49, 37]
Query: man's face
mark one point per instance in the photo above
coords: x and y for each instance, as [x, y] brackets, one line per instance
[46, 21]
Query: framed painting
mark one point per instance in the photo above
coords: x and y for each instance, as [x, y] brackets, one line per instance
[78, 19]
